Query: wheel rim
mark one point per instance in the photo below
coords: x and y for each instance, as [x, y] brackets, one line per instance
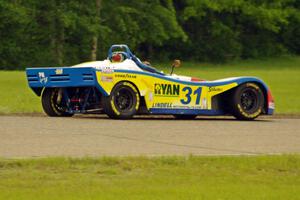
[57, 105]
[249, 100]
[123, 100]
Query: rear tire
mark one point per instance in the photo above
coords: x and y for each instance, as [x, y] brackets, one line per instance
[247, 101]
[123, 102]
[50, 103]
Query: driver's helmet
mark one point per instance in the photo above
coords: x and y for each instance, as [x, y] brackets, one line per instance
[118, 57]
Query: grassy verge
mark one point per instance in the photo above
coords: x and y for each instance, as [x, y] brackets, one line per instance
[15, 95]
[261, 177]
[281, 74]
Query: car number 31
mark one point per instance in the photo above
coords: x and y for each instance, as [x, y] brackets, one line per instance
[189, 93]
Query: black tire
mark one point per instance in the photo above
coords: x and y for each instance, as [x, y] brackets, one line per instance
[123, 102]
[50, 105]
[185, 117]
[247, 101]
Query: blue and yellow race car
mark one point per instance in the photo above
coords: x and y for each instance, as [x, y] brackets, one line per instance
[122, 86]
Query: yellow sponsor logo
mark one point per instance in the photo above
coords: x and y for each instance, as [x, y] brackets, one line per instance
[252, 115]
[166, 89]
[253, 85]
[112, 102]
[59, 71]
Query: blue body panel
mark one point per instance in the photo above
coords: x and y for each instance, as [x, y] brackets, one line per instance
[62, 77]
[270, 111]
[167, 111]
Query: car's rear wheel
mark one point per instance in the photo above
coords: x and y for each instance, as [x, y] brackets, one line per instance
[247, 101]
[53, 104]
[185, 117]
[123, 102]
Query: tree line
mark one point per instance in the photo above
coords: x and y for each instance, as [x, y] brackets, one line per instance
[66, 32]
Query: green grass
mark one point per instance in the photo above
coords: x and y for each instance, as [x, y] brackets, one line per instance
[257, 177]
[281, 74]
[15, 95]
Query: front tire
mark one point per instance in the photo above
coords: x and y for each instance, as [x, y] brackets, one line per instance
[247, 101]
[52, 103]
[123, 102]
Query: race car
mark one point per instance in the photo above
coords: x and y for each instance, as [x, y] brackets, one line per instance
[122, 86]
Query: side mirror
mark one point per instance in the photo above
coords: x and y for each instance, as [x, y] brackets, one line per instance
[176, 63]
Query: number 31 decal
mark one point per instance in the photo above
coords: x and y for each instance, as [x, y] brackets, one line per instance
[188, 97]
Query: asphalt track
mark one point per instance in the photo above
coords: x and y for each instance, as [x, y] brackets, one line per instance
[39, 136]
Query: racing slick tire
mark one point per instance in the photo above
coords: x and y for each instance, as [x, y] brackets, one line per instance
[123, 102]
[247, 101]
[185, 117]
[50, 103]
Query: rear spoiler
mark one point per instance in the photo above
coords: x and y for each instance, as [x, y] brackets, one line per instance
[39, 78]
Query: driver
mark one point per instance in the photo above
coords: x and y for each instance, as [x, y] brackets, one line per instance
[118, 57]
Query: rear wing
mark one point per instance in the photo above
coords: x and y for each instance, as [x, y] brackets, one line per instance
[39, 78]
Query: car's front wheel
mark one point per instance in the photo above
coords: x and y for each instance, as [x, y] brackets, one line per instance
[247, 101]
[123, 102]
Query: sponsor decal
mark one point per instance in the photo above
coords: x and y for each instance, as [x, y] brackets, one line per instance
[107, 70]
[253, 85]
[255, 114]
[271, 105]
[185, 107]
[204, 103]
[162, 105]
[106, 78]
[112, 102]
[125, 76]
[42, 77]
[150, 96]
[59, 71]
[166, 89]
[214, 89]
